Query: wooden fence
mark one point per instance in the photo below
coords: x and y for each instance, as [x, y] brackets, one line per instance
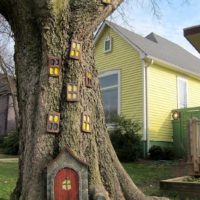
[193, 156]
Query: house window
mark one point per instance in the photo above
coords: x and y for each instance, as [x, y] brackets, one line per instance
[108, 44]
[182, 92]
[110, 92]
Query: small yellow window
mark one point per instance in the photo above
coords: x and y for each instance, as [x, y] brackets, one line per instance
[86, 122]
[72, 92]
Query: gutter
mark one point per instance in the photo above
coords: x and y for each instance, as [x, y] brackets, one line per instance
[171, 66]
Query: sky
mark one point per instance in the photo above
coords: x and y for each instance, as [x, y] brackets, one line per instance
[171, 18]
[169, 21]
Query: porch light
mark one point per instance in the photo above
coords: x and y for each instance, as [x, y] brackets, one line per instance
[53, 122]
[75, 50]
[72, 92]
[175, 115]
[86, 122]
[54, 64]
[88, 79]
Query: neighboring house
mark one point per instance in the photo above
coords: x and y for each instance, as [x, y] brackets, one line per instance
[145, 78]
[7, 114]
[193, 36]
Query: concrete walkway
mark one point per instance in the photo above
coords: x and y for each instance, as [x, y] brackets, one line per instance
[8, 160]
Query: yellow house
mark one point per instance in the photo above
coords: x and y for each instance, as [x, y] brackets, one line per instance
[145, 78]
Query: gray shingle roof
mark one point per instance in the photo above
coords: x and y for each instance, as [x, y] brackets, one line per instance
[155, 46]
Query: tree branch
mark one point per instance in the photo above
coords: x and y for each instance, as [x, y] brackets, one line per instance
[5, 6]
[95, 13]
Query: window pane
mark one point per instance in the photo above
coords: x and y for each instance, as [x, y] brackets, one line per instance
[108, 81]
[110, 102]
[107, 45]
[182, 93]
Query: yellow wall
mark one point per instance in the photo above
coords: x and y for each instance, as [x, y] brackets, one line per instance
[162, 86]
[162, 98]
[193, 92]
[126, 59]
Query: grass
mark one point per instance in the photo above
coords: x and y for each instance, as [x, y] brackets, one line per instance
[145, 174]
[8, 177]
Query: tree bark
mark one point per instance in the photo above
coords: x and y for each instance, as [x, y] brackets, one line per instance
[43, 28]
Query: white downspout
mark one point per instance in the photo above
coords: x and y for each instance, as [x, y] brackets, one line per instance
[146, 64]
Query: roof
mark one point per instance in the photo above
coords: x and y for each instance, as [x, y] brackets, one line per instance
[193, 36]
[71, 153]
[158, 47]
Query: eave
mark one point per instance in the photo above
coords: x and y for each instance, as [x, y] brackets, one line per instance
[192, 34]
[171, 66]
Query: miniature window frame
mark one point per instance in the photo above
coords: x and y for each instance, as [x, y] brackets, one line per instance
[88, 79]
[86, 123]
[107, 2]
[108, 39]
[76, 48]
[52, 122]
[74, 93]
[54, 63]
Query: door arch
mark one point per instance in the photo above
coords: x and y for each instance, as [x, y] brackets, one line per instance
[66, 185]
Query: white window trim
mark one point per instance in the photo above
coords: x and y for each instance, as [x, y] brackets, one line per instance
[178, 98]
[108, 38]
[108, 73]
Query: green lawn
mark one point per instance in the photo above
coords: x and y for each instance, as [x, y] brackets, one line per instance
[146, 175]
[8, 177]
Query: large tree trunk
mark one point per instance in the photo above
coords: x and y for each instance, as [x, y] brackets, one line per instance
[43, 28]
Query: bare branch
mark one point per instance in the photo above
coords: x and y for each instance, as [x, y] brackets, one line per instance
[96, 13]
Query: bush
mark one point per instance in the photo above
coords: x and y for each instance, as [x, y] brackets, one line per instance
[126, 140]
[11, 143]
[169, 153]
[1, 141]
[158, 153]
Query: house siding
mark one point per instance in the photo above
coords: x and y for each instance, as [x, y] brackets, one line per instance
[193, 93]
[162, 98]
[126, 59]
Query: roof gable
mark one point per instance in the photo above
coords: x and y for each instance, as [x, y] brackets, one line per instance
[157, 47]
[67, 151]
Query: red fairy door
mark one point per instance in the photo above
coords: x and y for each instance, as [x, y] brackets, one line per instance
[66, 185]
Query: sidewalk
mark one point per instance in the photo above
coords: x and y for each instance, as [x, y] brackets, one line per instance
[8, 160]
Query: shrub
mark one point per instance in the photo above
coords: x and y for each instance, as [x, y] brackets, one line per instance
[11, 143]
[126, 140]
[158, 153]
[169, 153]
[1, 141]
